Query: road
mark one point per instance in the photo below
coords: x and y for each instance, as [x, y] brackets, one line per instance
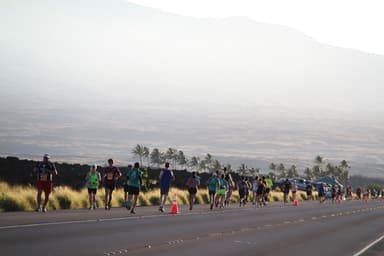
[309, 229]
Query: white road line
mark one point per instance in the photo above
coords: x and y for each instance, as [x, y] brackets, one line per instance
[47, 224]
[368, 246]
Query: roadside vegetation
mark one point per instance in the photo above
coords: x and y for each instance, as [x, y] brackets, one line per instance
[23, 198]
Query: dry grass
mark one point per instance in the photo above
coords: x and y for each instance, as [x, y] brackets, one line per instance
[23, 198]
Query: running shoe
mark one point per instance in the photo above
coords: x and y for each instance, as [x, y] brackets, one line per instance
[44, 209]
[133, 211]
[128, 205]
[39, 209]
[161, 208]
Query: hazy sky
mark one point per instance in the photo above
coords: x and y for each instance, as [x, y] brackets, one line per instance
[353, 24]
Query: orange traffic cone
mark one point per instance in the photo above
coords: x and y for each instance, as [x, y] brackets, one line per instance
[295, 202]
[174, 209]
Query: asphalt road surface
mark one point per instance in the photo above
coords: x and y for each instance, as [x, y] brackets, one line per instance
[309, 229]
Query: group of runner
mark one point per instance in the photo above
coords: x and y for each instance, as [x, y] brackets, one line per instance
[111, 174]
[220, 187]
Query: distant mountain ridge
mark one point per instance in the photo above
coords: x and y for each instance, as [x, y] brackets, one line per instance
[85, 79]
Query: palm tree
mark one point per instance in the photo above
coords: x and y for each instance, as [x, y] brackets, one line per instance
[156, 157]
[308, 173]
[202, 165]
[181, 158]
[194, 162]
[171, 155]
[272, 166]
[216, 165]
[292, 172]
[208, 160]
[242, 169]
[146, 154]
[138, 151]
[281, 170]
[318, 169]
[344, 176]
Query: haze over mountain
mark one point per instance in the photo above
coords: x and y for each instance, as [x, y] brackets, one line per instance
[93, 78]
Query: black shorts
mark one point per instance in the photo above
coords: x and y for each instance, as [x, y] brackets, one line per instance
[321, 194]
[110, 184]
[133, 190]
[192, 191]
[242, 193]
[126, 188]
[164, 190]
[212, 192]
[92, 190]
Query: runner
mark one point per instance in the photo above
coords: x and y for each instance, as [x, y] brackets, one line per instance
[213, 184]
[255, 183]
[349, 192]
[129, 168]
[358, 193]
[260, 192]
[165, 179]
[249, 187]
[243, 187]
[110, 177]
[268, 188]
[286, 188]
[134, 181]
[93, 180]
[333, 193]
[309, 192]
[321, 192]
[45, 171]
[222, 192]
[192, 184]
[294, 190]
[231, 185]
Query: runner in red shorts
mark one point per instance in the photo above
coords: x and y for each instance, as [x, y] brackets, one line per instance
[44, 171]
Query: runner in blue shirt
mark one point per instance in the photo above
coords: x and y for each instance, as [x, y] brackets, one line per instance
[165, 179]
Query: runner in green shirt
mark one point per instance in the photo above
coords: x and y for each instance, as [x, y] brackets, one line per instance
[269, 184]
[93, 179]
[134, 178]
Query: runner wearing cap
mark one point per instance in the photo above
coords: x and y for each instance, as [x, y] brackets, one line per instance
[93, 179]
[44, 171]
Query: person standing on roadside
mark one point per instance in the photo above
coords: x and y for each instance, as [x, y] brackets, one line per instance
[93, 179]
[44, 170]
[193, 183]
[110, 177]
[165, 179]
[134, 181]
